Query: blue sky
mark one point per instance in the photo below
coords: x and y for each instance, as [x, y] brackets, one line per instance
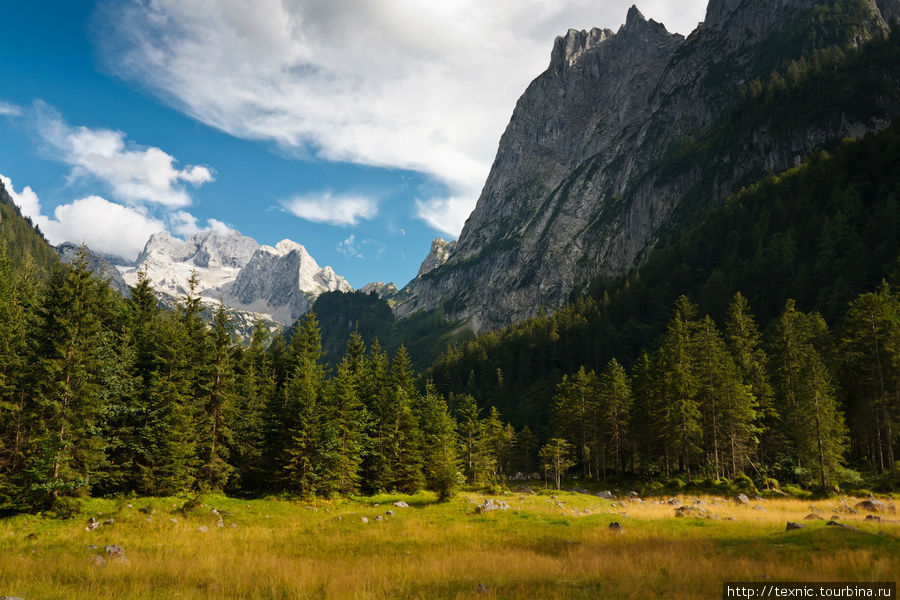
[360, 129]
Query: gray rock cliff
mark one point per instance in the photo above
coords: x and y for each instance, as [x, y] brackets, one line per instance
[572, 193]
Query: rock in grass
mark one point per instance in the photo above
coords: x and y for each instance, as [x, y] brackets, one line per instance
[482, 589]
[10, 598]
[814, 517]
[791, 525]
[364, 519]
[98, 561]
[490, 504]
[203, 529]
[401, 504]
[606, 495]
[379, 518]
[875, 518]
[741, 499]
[389, 513]
[839, 524]
[114, 552]
[109, 521]
[871, 505]
[616, 527]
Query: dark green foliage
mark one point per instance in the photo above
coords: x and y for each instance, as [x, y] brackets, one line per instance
[423, 334]
[23, 242]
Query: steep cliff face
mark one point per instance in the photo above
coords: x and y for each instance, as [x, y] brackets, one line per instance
[283, 281]
[576, 190]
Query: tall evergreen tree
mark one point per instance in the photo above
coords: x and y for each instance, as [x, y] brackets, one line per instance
[870, 345]
[614, 407]
[814, 424]
[441, 450]
[576, 418]
[556, 458]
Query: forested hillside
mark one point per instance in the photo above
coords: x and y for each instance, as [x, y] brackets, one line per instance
[23, 243]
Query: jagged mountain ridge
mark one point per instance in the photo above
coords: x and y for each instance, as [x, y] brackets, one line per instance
[573, 194]
[277, 283]
[101, 266]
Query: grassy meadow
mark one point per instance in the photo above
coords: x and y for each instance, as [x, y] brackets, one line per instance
[546, 545]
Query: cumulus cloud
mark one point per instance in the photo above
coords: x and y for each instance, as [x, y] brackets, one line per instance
[134, 174]
[104, 226]
[422, 86]
[10, 110]
[325, 207]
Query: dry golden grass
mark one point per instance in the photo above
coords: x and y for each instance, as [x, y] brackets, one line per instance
[543, 547]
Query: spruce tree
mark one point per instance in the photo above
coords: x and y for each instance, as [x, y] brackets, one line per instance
[814, 424]
[256, 384]
[576, 418]
[441, 454]
[614, 407]
[870, 351]
[556, 458]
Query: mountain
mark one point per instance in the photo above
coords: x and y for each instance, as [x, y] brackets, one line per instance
[100, 265]
[21, 240]
[630, 136]
[278, 284]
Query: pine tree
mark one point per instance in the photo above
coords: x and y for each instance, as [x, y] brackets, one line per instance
[576, 418]
[614, 407]
[409, 460]
[556, 458]
[745, 345]
[214, 424]
[441, 450]
[256, 390]
[349, 417]
[377, 397]
[471, 441]
[680, 384]
[303, 390]
[67, 454]
[870, 345]
[814, 424]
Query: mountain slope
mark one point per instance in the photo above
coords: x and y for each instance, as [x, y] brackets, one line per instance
[21, 241]
[820, 233]
[628, 136]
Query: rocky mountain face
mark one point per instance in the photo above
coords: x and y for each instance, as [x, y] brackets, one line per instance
[587, 176]
[277, 283]
[100, 265]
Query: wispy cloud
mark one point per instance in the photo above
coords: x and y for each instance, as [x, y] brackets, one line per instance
[10, 110]
[422, 86]
[132, 173]
[325, 207]
[351, 248]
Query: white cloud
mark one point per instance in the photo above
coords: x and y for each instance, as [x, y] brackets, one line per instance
[104, 226]
[183, 223]
[401, 84]
[353, 249]
[324, 207]
[218, 226]
[348, 248]
[134, 174]
[10, 110]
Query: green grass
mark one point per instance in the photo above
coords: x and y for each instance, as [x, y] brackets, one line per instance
[547, 545]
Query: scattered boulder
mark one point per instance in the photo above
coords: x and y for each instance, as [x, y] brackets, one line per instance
[489, 505]
[633, 494]
[98, 561]
[389, 513]
[672, 501]
[814, 517]
[173, 520]
[580, 491]
[482, 589]
[203, 529]
[519, 477]
[871, 505]
[741, 499]
[114, 552]
[616, 527]
[688, 511]
[791, 526]
[10, 598]
[730, 519]
[364, 520]
[147, 510]
[759, 507]
[757, 497]
[875, 518]
[401, 504]
[835, 517]
[109, 521]
[524, 489]
[606, 495]
[839, 524]
[699, 502]
[379, 518]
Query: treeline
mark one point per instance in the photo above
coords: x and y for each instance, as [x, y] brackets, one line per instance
[718, 402]
[104, 395]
